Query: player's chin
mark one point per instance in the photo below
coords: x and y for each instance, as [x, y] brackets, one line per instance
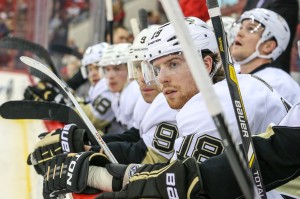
[149, 97]
[115, 88]
[175, 104]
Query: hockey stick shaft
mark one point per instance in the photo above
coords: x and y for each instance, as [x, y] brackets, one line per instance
[204, 84]
[134, 27]
[109, 18]
[37, 65]
[235, 94]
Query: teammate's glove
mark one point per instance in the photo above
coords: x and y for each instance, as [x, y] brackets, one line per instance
[66, 139]
[180, 179]
[68, 172]
[43, 91]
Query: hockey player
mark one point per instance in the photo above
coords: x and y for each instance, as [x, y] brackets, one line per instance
[99, 96]
[154, 122]
[125, 92]
[263, 36]
[200, 138]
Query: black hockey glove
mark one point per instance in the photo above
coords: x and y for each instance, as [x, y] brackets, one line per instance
[68, 172]
[66, 139]
[180, 179]
[44, 91]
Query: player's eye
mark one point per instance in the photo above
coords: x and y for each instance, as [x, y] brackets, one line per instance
[173, 64]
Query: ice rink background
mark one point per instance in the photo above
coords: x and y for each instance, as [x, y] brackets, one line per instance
[17, 139]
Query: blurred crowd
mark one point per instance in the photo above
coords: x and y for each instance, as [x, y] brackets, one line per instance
[66, 12]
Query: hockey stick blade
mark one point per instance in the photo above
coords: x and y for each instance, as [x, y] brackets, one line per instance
[63, 49]
[27, 109]
[143, 17]
[37, 65]
[24, 45]
[204, 83]
[235, 94]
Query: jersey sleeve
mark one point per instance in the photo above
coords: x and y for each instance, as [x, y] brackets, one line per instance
[123, 104]
[131, 135]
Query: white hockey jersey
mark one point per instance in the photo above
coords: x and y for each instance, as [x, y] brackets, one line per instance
[200, 137]
[101, 97]
[292, 119]
[123, 104]
[158, 128]
[285, 85]
[139, 112]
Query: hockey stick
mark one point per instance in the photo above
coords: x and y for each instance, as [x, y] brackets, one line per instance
[109, 18]
[41, 111]
[204, 84]
[43, 54]
[134, 27]
[37, 65]
[36, 49]
[63, 49]
[235, 94]
[143, 17]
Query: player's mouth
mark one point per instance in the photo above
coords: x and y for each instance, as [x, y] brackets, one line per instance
[169, 92]
[147, 90]
[237, 43]
[95, 81]
[113, 84]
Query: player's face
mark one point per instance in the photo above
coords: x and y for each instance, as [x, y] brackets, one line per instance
[149, 92]
[121, 36]
[176, 80]
[93, 73]
[116, 77]
[246, 40]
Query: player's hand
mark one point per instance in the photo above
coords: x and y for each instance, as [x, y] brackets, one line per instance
[43, 91]
[69, 172]
[66, 139]
[180, 179]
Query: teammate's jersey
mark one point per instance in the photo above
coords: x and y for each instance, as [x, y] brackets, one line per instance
[139, 111]
[292, 119]
[159, 130]
[200, 137]
[285, 85]
[123, 104]
[278, 154]
[100, 97]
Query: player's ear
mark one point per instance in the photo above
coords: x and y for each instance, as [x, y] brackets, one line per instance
[208, 61]
[268, 46]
